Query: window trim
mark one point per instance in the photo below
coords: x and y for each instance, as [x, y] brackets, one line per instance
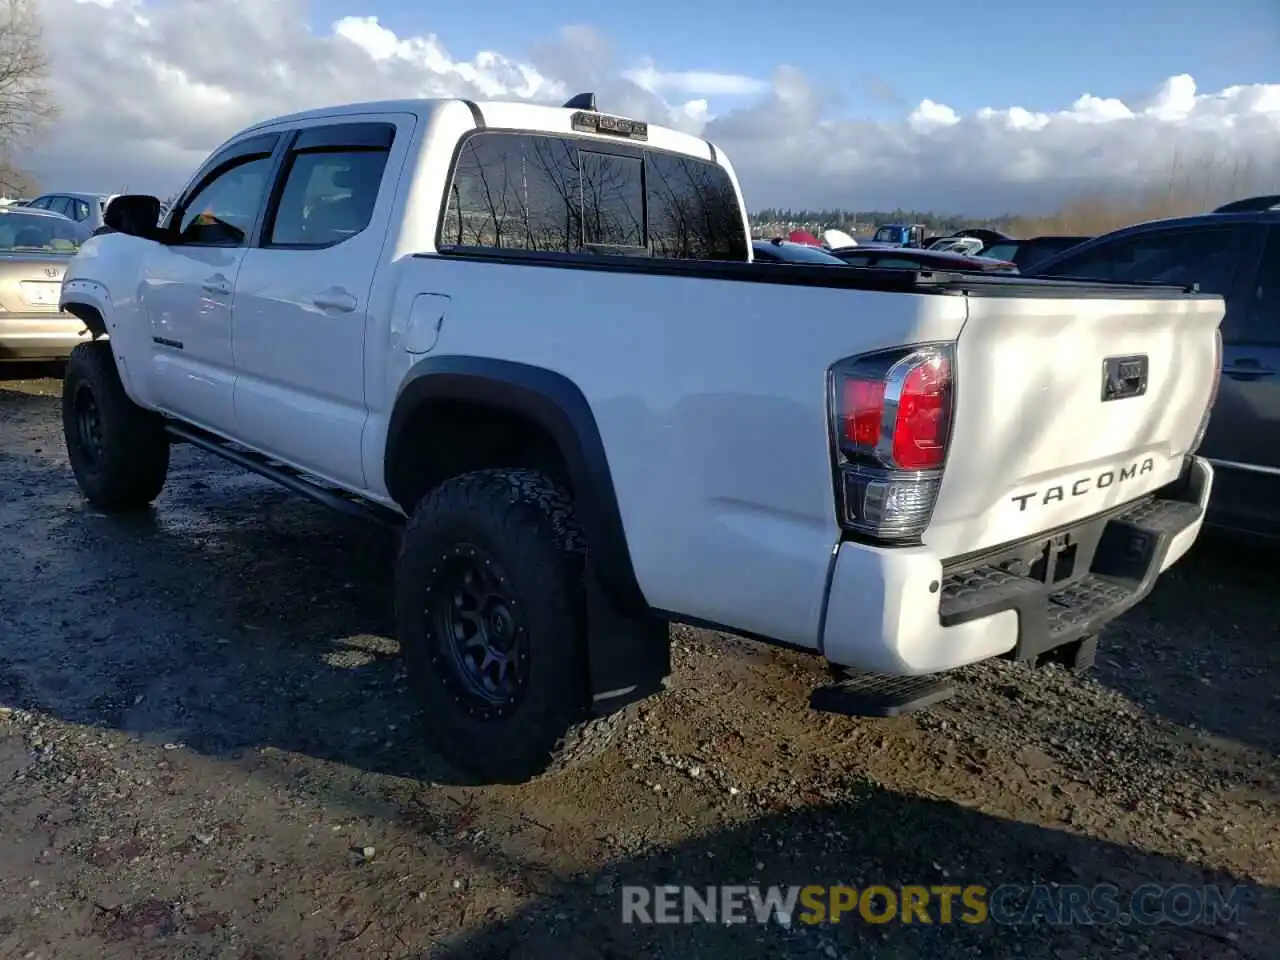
[592, 145]
[174, 234]
[346, 137]
[245, 150]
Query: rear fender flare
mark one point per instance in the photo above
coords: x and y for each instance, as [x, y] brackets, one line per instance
[558, 406]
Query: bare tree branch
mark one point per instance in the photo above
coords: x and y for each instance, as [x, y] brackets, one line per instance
[26, 103]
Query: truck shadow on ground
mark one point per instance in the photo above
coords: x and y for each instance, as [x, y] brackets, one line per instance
[231, 616]
[874, 839]
[1220, 681]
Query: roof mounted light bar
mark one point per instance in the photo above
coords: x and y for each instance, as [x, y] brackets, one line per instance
[590, 122]
[589, 119]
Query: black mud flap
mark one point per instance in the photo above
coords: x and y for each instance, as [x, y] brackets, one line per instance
[629, 659]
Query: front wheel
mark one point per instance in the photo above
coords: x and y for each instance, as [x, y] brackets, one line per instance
[491, 621]
[119, 452]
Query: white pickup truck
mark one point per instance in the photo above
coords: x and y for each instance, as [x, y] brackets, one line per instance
[532, 337]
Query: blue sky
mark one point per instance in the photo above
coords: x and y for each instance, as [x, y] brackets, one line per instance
[879, 56]
[880, 107]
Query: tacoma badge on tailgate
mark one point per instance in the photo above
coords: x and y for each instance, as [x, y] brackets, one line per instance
[1124, 377]
[1084, 485]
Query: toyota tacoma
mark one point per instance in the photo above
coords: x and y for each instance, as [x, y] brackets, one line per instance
[532, 339]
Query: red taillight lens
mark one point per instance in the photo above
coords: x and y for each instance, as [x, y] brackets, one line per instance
[917, 389]
[863, 412]
[924, 416]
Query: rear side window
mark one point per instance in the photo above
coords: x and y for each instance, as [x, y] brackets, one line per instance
[559, 194]
[1262, 324]
[327, 197]
[1207, 257]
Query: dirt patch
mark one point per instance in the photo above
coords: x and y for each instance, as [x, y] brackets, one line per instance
[207, 749]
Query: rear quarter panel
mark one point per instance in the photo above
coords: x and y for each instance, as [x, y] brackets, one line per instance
[710, 397]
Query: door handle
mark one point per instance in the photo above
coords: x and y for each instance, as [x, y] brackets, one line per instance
[1247, 369]
[217, 285]
[335, 299]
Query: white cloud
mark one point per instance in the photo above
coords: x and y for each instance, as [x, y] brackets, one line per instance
[148, 87]
[929, 114]
[649, 77]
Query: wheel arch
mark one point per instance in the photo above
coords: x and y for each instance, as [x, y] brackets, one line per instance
[88, 311]
[563, 425]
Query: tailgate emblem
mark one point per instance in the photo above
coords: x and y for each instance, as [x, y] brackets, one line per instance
[1124, 377]
[51, 272]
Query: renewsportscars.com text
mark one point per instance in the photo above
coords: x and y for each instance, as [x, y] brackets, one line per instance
[1009, 904]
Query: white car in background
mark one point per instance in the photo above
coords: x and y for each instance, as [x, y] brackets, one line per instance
[969, 246]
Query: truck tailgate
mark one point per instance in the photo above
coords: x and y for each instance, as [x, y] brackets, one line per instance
[1039, 440]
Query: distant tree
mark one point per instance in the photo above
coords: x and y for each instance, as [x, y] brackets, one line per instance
[26, 104]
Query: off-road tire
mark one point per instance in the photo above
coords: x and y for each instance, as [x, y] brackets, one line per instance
[527, 524]
[128, 470]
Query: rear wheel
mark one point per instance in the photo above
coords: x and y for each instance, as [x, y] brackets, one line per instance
[119, 452]
[491, 621]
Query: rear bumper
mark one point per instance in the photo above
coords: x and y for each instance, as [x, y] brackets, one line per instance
[907, 612]
[47, 336]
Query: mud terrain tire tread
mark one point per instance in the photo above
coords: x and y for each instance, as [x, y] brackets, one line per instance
[135, 446]
[529, 525]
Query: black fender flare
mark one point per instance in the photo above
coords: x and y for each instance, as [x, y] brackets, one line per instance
[558, 406]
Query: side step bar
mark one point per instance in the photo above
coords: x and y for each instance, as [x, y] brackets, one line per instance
[876, 695]
[287, 477]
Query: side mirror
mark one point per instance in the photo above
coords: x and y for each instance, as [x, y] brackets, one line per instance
[135, 214]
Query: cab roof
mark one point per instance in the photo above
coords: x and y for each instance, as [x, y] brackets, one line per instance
[502, 114]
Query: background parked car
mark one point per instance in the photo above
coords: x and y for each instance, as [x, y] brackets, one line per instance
[785, 251]
[86, 208]
[966, 245]
[898, 235]
[910, 258]
[1027, 253]
[35, 248]
[1233, 251]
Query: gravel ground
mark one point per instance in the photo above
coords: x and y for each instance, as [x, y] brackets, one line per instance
[207, 749]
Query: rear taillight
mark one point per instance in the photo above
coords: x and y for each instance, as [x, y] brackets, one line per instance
[891, 419]
[1213, 392]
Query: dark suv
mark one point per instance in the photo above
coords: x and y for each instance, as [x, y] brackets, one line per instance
[1234, 251]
